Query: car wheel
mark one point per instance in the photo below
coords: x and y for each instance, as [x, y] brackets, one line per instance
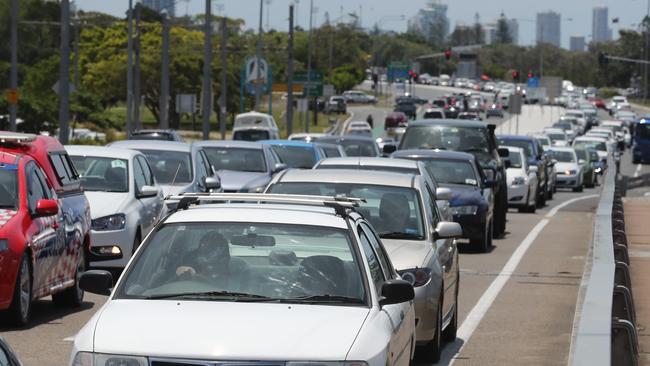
[431, 351]
[21, 306]
[73, 296]
[449, 334]
[482, 243]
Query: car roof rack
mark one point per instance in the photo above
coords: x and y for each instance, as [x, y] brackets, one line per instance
[7, 137]
[342, 205]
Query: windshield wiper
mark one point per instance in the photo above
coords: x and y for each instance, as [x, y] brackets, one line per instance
[474, 150]
[325, 298]
[400, 235]
[239, 296]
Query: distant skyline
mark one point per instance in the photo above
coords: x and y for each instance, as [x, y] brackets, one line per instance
[388, 12]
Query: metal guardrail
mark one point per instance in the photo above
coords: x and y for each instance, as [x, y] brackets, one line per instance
[606, 332]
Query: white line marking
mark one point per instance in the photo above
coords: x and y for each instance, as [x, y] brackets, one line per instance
[637, 171]
[481, 308]
[69, 339]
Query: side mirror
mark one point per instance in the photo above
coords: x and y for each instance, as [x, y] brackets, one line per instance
[503, 152]
[448, 230]
[581, 161]
[443, 194]
[279, 167]
[533, 169]
[395, 292]
[46, 208]
[490, 183]
[96, 282]
[389, 149]
[212, 183]
[148, 191]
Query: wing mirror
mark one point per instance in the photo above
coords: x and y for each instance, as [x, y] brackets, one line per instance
[46, 208]
[279, 167]
[395, 292]
[443, 194]
[447, 230]
[148, 191]
[211, 183]
[96, 282]
[503, 152]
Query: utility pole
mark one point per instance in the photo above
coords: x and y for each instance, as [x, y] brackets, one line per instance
[290, 75]
[646, 51]
[224, 77]
[308, 86]
[77, 35]
[258, 59]
[64, 73]
[207, 68]
[137, 97]
[129, 69]
[164, 75]
[13, 74]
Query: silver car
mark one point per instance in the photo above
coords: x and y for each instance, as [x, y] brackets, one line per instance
[242, 166]
[420, 245]
[179, 167]
[125, 201]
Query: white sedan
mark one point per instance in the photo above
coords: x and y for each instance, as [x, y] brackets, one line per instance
[569, 170]
[522, 181]
[269, 280]
[125, 201]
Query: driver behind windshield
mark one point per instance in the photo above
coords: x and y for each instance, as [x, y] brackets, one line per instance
[394, 213]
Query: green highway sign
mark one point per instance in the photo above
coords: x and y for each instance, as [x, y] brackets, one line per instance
[313, 87]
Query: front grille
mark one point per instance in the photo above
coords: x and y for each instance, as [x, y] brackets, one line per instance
[179, 362]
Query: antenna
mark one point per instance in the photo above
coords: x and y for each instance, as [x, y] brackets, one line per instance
[176, 174]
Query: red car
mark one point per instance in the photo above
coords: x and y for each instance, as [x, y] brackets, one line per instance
[44, 225]
[597, 102]
[395, 119]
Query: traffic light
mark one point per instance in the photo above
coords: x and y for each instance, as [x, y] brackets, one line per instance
[530, 75]
[515, 76]
[448, 54]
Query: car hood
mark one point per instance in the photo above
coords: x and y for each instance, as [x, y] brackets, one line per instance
[464, 195]
[407, 254]
[170, 190]
[106, 203]
[212, 330]
[560, 167]
[234, 181]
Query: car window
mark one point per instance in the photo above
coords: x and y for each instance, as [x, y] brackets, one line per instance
[515, 159]
[8, 187]
[138, 176]
[103, 174]
[296, 156]
[446, 137]
[376, 272]
[236, 159]
[379, 250]
[4, 358]
[251, 135]
[435, 219]
[452, 172]
[35, 189]
[202, 167]
[48, 193]
[170, 166]
[331, 152]
[529, 149]
[148, 174]
[60, 169]
[281, 261]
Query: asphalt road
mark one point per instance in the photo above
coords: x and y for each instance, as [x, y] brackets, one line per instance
[516, 302]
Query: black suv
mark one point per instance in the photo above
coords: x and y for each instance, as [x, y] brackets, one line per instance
[407, 106]
[474, 137]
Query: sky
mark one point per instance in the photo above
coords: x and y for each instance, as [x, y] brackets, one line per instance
[576, 14]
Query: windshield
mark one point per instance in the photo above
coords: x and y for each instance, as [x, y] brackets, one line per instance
[296, 156]
[452, 172]
[556, 137]
[251, 135]
[375, 168]
[446, 138]
[160, 136]
[170, 166]
[526, 145]
[515, 159]
[544, 141]
[393, 211]
[643, 131]
[358, 147]
[237, 159]
[596, 145]
[8, 187]
[563, 156]
[234, 261]
[102, 174]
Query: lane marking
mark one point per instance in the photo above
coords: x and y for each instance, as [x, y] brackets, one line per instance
[481, 308]
[637, 171]
[69, 339]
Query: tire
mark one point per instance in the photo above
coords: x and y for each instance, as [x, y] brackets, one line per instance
[20, 309]
[449, 334]
[541, 198]
[73, 297]
[482, 243]
[431, 351]
[591, 184]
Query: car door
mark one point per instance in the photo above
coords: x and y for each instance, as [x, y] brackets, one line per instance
[203, 170]
[400, 316]
[45, 234]
[149, 207]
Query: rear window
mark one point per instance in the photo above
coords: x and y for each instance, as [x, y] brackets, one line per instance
[251, 135]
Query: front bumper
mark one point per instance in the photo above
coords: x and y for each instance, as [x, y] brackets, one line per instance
[123, 239]
[568, 181]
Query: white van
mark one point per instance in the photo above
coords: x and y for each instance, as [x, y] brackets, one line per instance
[254, 126]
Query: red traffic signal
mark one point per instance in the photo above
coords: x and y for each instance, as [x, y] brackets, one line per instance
[530, 74]
[448, 54]
[515, 75]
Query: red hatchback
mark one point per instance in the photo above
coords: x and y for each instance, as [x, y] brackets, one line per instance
[395, 120]
[44, 225]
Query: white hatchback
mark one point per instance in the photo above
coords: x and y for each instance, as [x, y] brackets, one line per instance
[289, 281]
[125, 201]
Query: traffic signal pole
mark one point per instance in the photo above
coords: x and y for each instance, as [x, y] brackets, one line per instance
[64, 73]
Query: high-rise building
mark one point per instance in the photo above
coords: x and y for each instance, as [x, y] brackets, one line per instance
[577, 43]
[599, 25]
[548, 28]
[431, 22]
[159, 5]
[490, 30]
[513, 29]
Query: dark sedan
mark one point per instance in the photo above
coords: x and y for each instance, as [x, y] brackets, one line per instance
[472, 202]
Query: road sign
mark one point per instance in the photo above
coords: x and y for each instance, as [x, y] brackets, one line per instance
[397, 70]
[251, 71]
[185, 103]
[11, 95]
[313, 87]
[283, 88]
[533, 82]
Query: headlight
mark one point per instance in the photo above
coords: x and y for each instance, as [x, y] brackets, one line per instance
[112, 222]
[463, 210]
[570, 172]
[416, 276]
[4, 245]
[519, 181]
[101, 359]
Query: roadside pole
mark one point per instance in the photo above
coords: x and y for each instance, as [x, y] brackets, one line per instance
[164, 75]
[224, 77]
[137, 97]
[64, 73]
[308, 86]
[207, 66]
[289, 113]
[13, 74]
[129, 69]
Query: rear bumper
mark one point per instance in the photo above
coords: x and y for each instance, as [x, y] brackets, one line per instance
[517, 195]
[473, 225]
[568, 181]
